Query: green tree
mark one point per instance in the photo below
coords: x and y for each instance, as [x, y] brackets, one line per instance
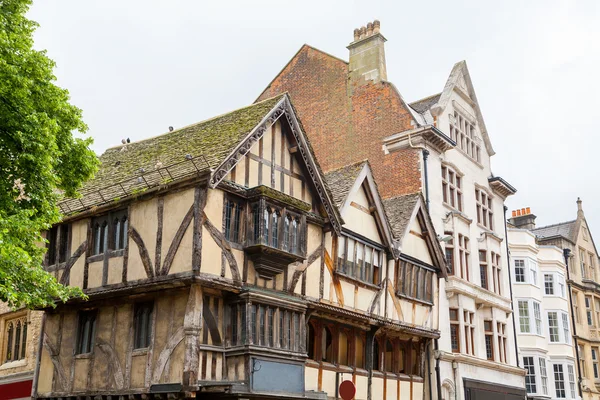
[40, 160]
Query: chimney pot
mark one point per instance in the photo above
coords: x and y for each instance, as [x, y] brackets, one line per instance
[356, 34]
[514, 213]
[376, 26]
[369, 29]
[523, 211]
[363, 32]
[518, 213]
[528, 209]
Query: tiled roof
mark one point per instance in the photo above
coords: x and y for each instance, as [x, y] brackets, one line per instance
[425, 104]
[399, 210]
[193, 149]
[341, 180]
[564, 229]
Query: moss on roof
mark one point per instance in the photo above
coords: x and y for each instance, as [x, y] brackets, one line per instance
[214, 139]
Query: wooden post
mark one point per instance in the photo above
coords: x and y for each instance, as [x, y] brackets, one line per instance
[192, 324]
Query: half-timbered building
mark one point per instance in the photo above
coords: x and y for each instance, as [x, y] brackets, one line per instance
[220, 261]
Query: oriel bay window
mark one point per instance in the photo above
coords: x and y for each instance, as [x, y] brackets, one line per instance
[414, 281]
[360, 259]
[109, 232]
[269, 326]
[276, 237]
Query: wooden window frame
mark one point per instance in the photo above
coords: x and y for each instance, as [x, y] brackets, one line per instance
[234, 224]
[107, 222]
[85, 345]
[375, 251]
[410, 277]
[496, 272]
[143, 323]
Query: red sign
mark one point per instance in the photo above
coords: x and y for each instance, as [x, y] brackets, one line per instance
[347, 390]
[15, 390]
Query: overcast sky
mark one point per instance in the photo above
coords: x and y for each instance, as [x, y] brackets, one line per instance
[137, 67]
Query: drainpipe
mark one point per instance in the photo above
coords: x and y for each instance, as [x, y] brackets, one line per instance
[425, 155]
[429, 369]
[438, 377]
[512, 305]
[566, 253]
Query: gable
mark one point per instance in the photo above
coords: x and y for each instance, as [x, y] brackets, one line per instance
[291, 127]
[360, 215]
[459, 82]
[415, 245]
[273, 161]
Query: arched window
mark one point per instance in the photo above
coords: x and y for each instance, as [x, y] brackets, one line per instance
[104, 237]
[286, 232]
[124, 226]
[294, 236]
[256, 223]
[275, 229]
[117, 234]
[266, 222]
[16, 339]
[326, 345]
[9, 333]
[97, 238]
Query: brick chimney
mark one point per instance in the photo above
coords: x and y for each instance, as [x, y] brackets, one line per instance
[523, 219]
[367, 57]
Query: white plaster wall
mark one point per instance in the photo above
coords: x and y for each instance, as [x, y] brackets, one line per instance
[472, 174]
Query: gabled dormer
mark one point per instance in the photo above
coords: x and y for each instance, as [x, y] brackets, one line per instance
[365, 237]
[420, 255]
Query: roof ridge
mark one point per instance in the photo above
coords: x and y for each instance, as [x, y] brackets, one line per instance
[326, 53]
[425, 98]
[198, 123]
[366, 160]
[557, 224]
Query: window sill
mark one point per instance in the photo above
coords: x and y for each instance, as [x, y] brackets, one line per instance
[140, 352]
[358, 281]
[424, 302]
[13, 364]
[109, 254]
[83, 356]
[54, 267]
[459, 214]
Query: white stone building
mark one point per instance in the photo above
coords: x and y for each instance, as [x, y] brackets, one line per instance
[544, 324]
[477, 352]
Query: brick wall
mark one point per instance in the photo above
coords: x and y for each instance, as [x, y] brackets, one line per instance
[346, 126]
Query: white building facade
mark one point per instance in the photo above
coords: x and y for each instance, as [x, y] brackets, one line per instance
[477, 352]
[544, 322]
